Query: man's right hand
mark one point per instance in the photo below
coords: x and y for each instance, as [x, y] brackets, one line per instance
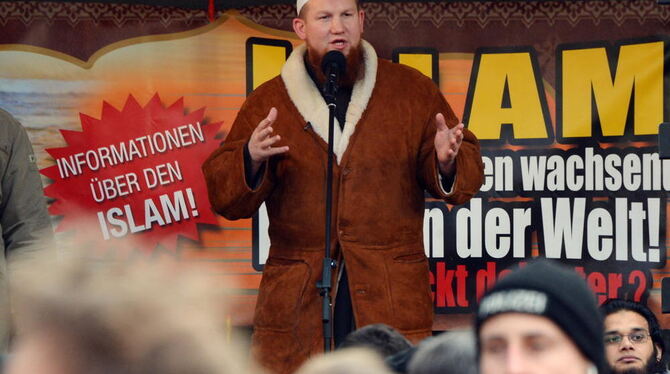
[261, 142]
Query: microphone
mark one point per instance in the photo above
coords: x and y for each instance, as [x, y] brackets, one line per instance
[333, 65]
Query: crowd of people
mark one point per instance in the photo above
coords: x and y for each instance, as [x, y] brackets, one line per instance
[79, 315]
[397, 138]
[74, 314]
[541, 318]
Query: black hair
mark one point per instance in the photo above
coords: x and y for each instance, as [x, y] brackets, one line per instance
[382, 338]
[617, 305]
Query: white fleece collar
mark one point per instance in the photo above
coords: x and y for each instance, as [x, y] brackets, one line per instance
[311, 105]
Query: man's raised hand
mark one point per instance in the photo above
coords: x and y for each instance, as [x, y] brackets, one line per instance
[447, 143]
[261, 142]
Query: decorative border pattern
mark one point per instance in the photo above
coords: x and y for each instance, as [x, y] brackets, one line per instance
[280, 16]
[28, 12]
[275, 16]
[483, 13]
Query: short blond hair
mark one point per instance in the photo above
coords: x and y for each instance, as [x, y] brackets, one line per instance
[346, 361]
[121, 317]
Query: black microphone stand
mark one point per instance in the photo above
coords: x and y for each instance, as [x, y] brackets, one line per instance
[324, 285]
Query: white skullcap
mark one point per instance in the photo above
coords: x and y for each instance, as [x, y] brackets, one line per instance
[299, 4]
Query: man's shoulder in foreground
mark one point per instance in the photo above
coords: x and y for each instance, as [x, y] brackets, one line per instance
[404, 78]
[264, 96]
[388, 68]
[269, 87]
[9, 126]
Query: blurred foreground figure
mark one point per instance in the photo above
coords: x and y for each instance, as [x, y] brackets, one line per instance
[633, 340]
[77, 316]
[452, 352]
[379, 337]
[346, 361]
[24, 221]
[540, 319]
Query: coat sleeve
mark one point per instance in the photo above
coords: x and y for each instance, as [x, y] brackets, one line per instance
[24, 220]
[469, 167]
[224, 170]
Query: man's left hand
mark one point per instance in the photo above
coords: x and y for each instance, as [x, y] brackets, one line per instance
[447, 143]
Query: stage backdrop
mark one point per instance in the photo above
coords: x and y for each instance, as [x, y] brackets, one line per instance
[124, 102]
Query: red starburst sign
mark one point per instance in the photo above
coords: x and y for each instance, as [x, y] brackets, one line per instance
[135, 173]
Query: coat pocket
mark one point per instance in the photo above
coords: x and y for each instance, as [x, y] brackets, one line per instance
[280, 294]
[410, 290]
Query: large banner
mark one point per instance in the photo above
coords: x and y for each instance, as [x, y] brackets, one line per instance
[123, 104]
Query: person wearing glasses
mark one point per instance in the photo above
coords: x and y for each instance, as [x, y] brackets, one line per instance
[633, 341]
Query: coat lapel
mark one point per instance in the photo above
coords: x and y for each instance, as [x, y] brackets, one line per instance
[310, 104]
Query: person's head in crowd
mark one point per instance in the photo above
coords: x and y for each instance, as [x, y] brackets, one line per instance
[540, 318]
[379, 337]
[76, 315]
[400, 361]
[346, 361]
[327, 25]
[452, 352]
[633, 340]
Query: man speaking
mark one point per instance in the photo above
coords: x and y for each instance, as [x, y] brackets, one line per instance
[395, 137]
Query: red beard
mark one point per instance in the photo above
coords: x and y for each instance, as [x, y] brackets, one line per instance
[354, 66]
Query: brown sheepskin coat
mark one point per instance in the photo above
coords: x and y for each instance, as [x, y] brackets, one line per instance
[385, 161]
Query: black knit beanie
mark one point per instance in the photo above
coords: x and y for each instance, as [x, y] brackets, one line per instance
[548, 289]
